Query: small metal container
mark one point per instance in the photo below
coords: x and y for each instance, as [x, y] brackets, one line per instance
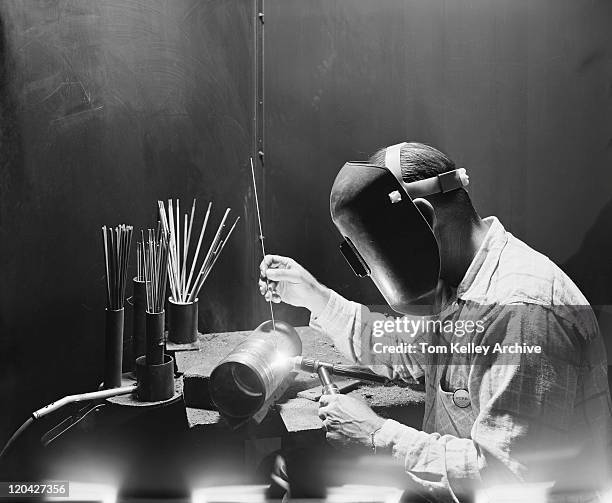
[182, 321]
[155, 382]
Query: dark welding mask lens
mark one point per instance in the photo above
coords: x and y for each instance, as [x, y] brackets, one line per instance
[355, 260]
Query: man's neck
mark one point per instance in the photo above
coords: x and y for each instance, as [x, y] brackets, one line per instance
[459, 247]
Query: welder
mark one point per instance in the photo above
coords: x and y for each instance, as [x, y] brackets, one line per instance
[409, 224]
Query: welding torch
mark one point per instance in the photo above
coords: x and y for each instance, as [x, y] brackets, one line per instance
[325, 370]
[58, 404]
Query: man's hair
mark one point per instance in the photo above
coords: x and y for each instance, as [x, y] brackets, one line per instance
[419, 161]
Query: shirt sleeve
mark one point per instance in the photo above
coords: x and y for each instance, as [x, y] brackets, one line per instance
[355, 329]
[524, 404]
[432, 461]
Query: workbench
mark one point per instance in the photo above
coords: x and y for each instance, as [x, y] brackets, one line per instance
[243, 454]
[403, 403]
[171, 446]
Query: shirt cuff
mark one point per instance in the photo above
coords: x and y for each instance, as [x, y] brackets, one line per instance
[391, 433]
[331, 314]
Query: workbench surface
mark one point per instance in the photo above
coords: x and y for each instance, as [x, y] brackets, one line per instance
[298, 414]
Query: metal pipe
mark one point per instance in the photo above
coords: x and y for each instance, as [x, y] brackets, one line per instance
[249, 376]
[154, 328]
[139, 320]
[113, 358]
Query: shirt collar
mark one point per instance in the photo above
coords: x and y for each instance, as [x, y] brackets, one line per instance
[474, 285]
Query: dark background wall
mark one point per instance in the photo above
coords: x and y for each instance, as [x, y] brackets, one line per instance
[107, 106]
[520, 93]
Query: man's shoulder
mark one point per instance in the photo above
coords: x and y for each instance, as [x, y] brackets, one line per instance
[524, 275]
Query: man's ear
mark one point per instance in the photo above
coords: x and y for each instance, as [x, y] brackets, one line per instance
[426, 209]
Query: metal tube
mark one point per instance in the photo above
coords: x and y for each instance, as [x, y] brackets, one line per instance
[113, 359]
[82, 397]
[329, 388]
[182, 321]
[155, 382]
[249, 376]
[139, 319]
[155, 338]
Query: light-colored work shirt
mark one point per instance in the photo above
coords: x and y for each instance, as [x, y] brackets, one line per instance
[517, 416]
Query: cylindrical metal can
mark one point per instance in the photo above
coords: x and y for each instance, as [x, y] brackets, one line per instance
[246, 378]
[182, 321]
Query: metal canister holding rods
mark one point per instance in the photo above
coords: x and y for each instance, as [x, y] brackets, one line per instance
[155, 370]
[117, 243]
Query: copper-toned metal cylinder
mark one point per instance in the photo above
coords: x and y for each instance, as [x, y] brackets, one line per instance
[245, 379]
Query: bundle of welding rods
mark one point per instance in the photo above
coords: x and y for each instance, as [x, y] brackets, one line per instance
[140, 272]
[116, 257]
[186, 287]
[152, 256]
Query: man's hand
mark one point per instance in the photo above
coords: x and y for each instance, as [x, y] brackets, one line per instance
[289, 282]
[348, 420]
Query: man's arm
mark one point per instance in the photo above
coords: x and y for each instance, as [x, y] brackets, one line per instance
[438, 466]
[350, 325]
[355, 330]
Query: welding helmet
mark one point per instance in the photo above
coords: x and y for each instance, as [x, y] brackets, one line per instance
[385, 235]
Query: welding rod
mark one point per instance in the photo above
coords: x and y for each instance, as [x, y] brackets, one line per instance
[261, 239]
